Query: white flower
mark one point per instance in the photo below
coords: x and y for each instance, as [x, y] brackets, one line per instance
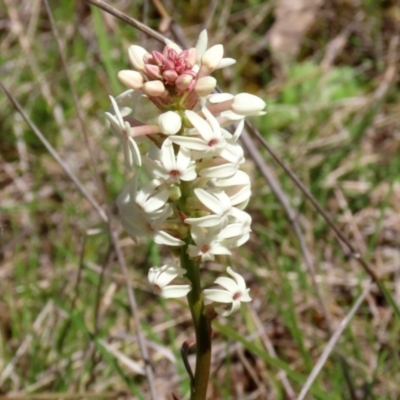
[169, 167]
[160, 277]
[149, 199]
[238, 231]
[123, 131]
[207, 244]
[144, 213]
[218, 203]
[234, 292]
[211, 138]
[201, 48]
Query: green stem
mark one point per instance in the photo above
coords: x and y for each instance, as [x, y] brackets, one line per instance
[202, 327]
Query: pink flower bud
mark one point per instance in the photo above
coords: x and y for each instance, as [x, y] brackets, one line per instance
[183, 82]
[205, 85]
[170, 76]
[148, 59]
[152, 71]
[158, 57]
[154, 88]
[131, 79]
[169, 64]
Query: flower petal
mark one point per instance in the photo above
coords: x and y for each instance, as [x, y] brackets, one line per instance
[217, 295]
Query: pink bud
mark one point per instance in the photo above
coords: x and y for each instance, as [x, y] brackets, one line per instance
[169, 64]
[154, 88]
[152, 71]
[170, 76]
[158, 57]
[183, 82]
[132, 79]
[189, 72]
[169, 52]
[148, 59]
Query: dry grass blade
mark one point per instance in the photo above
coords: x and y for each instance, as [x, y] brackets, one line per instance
[129, 20]
[332, 343]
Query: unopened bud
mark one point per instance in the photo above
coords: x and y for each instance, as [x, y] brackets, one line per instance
[211, 59]
[170, 76]
[192, 54]
[132, 79]
[248, 104]
[136, 54]
[152, 71]
[158, 57]
[183, 82]
[174, 193]
[154, 88]
[205, 85]
[170, 123]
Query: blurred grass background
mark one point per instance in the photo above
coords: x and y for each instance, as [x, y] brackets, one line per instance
[328, 72]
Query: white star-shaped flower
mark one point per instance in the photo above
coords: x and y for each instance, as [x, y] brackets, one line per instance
[209, 139]
[170, 167]
[218, 203]
[144, 214]
[123, 131]
[161, 277]
[207, 244]
[234, 293]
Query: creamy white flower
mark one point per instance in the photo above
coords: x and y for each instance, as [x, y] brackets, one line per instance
[238, 231]
[123, 131]
[218, 203]
[210, 138]
[234, 292]
[169, 167]
[146, 216]
[149, 199]
[161, 277]
[206, 244]
[201, 48]
[239, 179]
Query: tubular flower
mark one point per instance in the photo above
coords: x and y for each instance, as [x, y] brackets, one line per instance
[191, 192]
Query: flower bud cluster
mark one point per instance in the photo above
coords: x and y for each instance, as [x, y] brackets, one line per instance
[196, 192]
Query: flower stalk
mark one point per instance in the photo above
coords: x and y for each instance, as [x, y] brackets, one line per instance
[195, 190]
[202, 326]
